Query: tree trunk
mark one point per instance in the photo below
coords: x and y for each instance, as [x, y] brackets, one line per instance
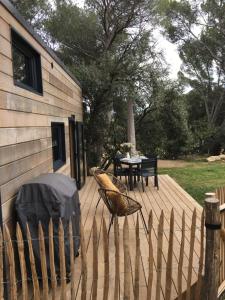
[130, 126]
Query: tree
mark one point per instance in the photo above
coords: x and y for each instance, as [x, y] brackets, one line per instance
[164, 130]
[34, 11]
[198, 29]
[106, 46]
[112, 52]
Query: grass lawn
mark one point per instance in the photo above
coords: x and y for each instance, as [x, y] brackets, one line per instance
[198, 177]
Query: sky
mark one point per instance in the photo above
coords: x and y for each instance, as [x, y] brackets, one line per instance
[170, 53]
[169, 49]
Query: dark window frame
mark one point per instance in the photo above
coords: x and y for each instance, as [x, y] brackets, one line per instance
[33, 63]
[61, 151]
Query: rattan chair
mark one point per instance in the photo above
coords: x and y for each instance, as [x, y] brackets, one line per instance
[114, 208]
[121, 186]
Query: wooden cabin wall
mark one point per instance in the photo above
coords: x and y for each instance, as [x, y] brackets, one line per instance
[25, 117]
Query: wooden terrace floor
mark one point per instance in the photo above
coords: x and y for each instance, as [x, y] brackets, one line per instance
[170, 195]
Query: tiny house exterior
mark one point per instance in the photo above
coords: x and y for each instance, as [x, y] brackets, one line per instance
[41, 112]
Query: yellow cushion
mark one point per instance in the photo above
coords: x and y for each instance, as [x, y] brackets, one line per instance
[117, 199]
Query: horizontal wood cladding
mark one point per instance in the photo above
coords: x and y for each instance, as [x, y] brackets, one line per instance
[10, 189]
[25, 116]
[10, 136]
[7, 85]
[67, 93]
[11, 21]
[17, 168]
[15, 152]
[10, 101]
[5, 29]
[5, 64]
[60, 85]
[8, 210]
[10, 118]
[5, 47]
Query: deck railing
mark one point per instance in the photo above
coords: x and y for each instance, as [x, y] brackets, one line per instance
[126, 277]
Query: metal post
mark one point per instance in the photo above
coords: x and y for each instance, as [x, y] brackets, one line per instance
[212, 225]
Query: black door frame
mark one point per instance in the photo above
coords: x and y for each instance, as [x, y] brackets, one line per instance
[73, 147]
[80, 126]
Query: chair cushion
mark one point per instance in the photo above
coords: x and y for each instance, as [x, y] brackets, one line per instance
[118, 200]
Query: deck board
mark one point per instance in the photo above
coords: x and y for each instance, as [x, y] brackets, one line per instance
[170, 196]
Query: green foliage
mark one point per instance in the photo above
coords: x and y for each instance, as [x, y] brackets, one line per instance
[108, 57]
[111, 51]
[198, 178]
[164, 131]
[34, 11]
[198, 30]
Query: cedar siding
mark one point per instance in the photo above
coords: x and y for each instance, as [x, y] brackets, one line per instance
[26, 116]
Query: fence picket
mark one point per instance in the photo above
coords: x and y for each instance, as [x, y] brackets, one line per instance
[117, 259]
[23, 270]
[220, 196]
[1, 266]
[222, 244]
[129, 293]
[11, 261]
[52, 260]
[72, 262]
[201, 260]
[181, 258]
[83, 264]
[169, 259]
[43, 261]
[126, 260]
[106, 261]
[95, 260]
[62, 261]
[150, 275]
[159, 256]
[190, 263]
[36, 287]
[137, 262]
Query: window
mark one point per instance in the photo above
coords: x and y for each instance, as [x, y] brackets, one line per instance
[26, 64]
[58, 145]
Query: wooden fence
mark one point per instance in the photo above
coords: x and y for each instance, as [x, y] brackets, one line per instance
[55, 286]
[220, 195]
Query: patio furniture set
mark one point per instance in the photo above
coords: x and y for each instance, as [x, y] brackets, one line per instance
[114, 192]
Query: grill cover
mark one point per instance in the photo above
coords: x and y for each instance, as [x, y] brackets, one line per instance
[50, 196]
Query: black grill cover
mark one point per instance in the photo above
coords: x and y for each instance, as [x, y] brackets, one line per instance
[50, 196]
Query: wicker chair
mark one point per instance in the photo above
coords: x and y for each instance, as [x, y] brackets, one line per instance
[131, 206]
[121, 187]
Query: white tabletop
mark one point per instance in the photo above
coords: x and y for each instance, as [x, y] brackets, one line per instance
[133, 160]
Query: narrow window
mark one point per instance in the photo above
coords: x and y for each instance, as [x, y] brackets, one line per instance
[58, 145]
[26, 65]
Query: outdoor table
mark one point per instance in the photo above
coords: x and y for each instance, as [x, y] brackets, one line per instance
[131, 162]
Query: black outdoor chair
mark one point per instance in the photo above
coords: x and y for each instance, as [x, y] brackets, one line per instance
[118, 170]
[149, 168]
[106, 163]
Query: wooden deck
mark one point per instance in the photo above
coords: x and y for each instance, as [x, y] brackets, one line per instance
[170, 196]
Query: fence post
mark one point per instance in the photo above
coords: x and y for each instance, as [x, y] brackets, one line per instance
[212, 224]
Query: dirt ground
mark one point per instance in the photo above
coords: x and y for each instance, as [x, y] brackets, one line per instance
[172, 163]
